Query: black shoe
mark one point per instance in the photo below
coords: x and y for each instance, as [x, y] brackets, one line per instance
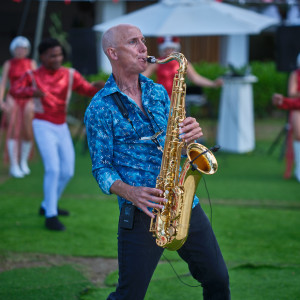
[60, 212]
[54, 224]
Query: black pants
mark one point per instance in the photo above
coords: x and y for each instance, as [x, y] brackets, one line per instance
[138, 257]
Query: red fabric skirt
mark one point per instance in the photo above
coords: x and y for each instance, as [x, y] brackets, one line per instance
[12, 128]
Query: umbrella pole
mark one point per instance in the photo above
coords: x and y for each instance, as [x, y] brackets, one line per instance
[24, 17]
[39, 27]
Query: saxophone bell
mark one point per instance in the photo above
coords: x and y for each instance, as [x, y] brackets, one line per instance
[212, 149]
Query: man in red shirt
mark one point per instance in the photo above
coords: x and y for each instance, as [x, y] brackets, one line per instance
[51, 86]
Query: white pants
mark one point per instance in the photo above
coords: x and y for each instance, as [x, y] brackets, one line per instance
[57, 152]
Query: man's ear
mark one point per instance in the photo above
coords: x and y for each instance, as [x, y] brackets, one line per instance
[112, 53]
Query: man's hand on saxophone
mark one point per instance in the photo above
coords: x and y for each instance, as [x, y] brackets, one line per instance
[142, 197]
[190, 130]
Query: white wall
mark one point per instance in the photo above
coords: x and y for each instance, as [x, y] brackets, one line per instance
[234, 50]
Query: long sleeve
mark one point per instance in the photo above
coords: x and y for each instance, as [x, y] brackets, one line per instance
[290, 103]
[100, 141]
[83, 87]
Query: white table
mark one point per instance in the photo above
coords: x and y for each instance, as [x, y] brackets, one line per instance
[236, 131]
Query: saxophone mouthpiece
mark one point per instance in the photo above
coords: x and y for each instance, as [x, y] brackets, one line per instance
[151, 59]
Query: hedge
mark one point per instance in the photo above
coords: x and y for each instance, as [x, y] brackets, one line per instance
[269, 81]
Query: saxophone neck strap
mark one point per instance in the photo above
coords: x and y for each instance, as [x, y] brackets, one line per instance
[123, 109]
[121, 106]
[125, 114]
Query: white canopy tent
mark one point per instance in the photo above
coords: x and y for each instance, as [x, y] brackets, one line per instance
[192, 18]
[197, 18]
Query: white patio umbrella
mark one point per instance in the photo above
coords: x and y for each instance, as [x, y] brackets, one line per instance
[192, 18]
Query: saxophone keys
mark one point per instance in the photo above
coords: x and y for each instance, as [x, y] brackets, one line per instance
[162, 241]
[164, 215]
[171, 231]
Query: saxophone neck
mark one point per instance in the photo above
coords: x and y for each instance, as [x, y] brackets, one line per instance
[173, 56]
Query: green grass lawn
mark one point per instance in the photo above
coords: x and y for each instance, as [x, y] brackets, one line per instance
[255, 214]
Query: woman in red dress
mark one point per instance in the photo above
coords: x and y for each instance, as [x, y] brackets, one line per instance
[17, 112]
[165, 72]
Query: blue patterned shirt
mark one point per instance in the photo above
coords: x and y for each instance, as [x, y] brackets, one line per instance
[116, 150]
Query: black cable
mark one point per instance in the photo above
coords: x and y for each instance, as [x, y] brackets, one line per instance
[211, 219]
[211, 213]
[170, 263]
[214, 149]
[210, 206]
[178, 277]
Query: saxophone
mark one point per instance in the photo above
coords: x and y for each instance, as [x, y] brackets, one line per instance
[171, 224]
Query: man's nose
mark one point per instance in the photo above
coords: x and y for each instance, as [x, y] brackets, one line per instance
[142, 47]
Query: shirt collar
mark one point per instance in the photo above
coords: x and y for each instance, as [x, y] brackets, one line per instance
[111, 86]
